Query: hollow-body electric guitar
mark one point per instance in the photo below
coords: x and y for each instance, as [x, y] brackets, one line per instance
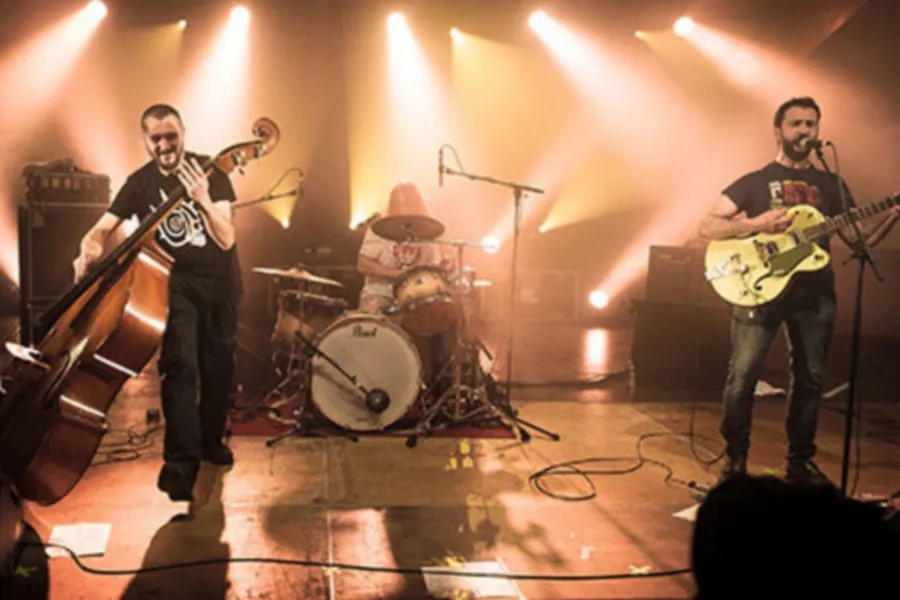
[755, 270]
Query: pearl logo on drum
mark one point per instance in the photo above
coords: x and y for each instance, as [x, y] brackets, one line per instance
[360, 331]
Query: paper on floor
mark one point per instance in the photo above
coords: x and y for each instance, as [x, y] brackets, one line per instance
[764, 388]
[441, 583]
[85, 539]
[688, 514]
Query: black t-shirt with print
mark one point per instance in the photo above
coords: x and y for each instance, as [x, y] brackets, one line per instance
[778, 186]
[199, 261]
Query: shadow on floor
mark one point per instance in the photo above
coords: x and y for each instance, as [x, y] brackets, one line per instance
[189, 537]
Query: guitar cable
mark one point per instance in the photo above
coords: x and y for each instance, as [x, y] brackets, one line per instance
[635, 573]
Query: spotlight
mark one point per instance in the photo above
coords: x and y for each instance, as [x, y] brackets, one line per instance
[240, 14]
[456, 35]
[395, 20]
[538, 19]
[683, 26]
[491, 245]
[182, 24]
[96, 9]
[598, 299]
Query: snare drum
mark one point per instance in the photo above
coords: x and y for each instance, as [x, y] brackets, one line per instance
[381, 356]
[304, 313]
[425, 304]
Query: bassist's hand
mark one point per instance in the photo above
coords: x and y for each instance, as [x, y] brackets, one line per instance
[775, 220]
[90, 252]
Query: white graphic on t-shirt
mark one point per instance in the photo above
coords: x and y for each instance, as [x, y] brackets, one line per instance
[184, 225]
[776, 194]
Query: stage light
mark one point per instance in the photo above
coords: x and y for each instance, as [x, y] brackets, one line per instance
[456, 35]
[395, 20]
[240, 14]
[96, 9]
[538, 19]
[491, 245]
[285, 223]
[683, 26]
[182, 24]
[598, 299]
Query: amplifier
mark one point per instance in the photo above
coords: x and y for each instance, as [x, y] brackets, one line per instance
[680, 347]
[675, 275]
[62, 181]
[542, 296]
[49, 241]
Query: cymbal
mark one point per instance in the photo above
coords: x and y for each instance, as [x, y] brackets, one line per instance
[298, 274]
[402, 228]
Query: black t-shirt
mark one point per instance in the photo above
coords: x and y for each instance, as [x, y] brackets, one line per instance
[199, 261]
[778, 186]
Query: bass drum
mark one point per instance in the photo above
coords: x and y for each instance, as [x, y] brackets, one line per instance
[381, 356]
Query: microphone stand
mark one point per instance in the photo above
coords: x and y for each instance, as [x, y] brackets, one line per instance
[517, 190]
[863, 253]
[266, 198]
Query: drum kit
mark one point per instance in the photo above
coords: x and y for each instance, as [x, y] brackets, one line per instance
[364, 372]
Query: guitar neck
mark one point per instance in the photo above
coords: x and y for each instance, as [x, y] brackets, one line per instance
[833, 224]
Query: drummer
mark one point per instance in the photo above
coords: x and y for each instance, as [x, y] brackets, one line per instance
[382, 260]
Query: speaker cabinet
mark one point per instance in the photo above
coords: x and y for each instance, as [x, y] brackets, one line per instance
[679, 347]
[49, 241]
[675, 274]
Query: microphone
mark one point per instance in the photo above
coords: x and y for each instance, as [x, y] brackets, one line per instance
[441, 167]
[809, 143]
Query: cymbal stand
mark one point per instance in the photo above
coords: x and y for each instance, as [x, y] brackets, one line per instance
[463, 388]
[518, 190]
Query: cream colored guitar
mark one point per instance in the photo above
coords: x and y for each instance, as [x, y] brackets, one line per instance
[755, 270]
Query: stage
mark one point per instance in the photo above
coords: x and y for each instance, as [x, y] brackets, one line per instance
[447, 502]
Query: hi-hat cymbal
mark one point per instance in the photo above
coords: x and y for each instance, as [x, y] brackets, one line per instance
[298, 274]
[402, 228]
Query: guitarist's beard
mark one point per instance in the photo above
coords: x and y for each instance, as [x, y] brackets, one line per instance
[792, 152]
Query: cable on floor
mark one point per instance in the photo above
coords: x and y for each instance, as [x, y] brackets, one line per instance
[572, 467]
[638, 574]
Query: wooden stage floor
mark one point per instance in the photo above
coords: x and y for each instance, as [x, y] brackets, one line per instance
[448, 501]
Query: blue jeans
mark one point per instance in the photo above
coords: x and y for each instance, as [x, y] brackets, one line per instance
[809, 314]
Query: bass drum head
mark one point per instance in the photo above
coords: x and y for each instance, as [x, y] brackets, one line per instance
[381, 356]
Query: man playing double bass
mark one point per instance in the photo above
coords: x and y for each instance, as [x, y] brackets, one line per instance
[204, 293]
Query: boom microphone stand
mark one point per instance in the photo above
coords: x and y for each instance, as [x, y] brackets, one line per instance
[863, 253]
[266, 198]
[517, 189]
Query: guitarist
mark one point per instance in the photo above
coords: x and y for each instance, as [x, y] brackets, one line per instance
[204, 291]
[758, 202]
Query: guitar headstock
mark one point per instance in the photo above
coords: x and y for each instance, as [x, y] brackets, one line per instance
[237, 156]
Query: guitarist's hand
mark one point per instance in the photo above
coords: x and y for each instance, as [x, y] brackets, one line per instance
[775, 220]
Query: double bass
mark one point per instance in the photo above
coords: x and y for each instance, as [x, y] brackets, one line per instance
[104, 330]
